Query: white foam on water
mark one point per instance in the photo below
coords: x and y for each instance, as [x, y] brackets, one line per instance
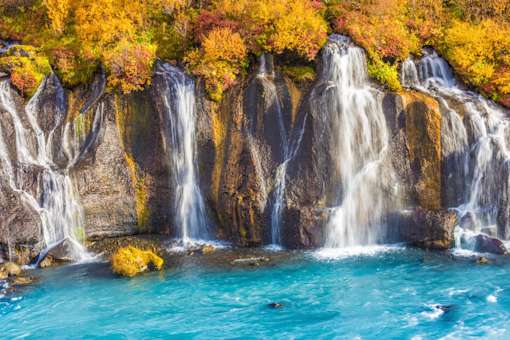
[492, 299]
[177, 245]
[273, 247]
[433, 313]
[354, 251]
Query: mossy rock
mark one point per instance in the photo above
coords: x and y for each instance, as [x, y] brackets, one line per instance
[130, 261]
[300, 73]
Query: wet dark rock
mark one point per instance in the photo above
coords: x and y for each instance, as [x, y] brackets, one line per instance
[58, 254]
[431, 229]
[275, 305]
[487, 244]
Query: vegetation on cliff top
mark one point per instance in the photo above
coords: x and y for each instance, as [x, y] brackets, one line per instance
[215, 39]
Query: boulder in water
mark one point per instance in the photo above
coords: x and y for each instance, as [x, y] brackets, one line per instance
[430, 229]
[130, 261]
[59, 253]
[487, 244]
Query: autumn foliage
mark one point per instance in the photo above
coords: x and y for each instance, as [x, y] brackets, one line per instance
[473, 35]
[216, 39]
[219, 60]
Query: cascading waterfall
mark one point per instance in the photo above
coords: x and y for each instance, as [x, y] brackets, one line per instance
[475, 148]
[289, 149]
[55, 201]
[354, 111]
[179, 138]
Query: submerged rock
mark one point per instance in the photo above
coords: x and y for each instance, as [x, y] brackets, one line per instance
[130, 261]
[251, 261]
[275, 305]
[487, 244]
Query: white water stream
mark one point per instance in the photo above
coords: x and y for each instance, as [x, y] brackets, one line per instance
[55, 200]
[353, 109]
[180, 147]
[475, 148]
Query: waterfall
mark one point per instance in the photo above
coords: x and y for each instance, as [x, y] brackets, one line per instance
[475, 148]
[360, 146]
[179, 142]
[55, 200]
[289, 147]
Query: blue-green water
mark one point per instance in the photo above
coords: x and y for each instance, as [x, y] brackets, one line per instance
[388, 295]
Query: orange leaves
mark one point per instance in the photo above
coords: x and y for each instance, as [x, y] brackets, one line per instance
[230, 29]
[219, 61]
[379, 26]
[130, 65]
[275, 25]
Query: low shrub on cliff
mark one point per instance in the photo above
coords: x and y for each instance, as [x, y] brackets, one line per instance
[129, 65]
[480, 53]
[220, 59]
[131, 261]
[26, 66]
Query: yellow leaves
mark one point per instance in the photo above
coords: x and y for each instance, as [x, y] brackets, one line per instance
[300, 30]
[58, 11]
[384, 73]
[219, 61]
[480, 53]
[476, 49]
[130, 261]
[277, 25]
[223, 44]
[99, 24]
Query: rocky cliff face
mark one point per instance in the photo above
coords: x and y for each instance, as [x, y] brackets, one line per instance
[113, 149]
